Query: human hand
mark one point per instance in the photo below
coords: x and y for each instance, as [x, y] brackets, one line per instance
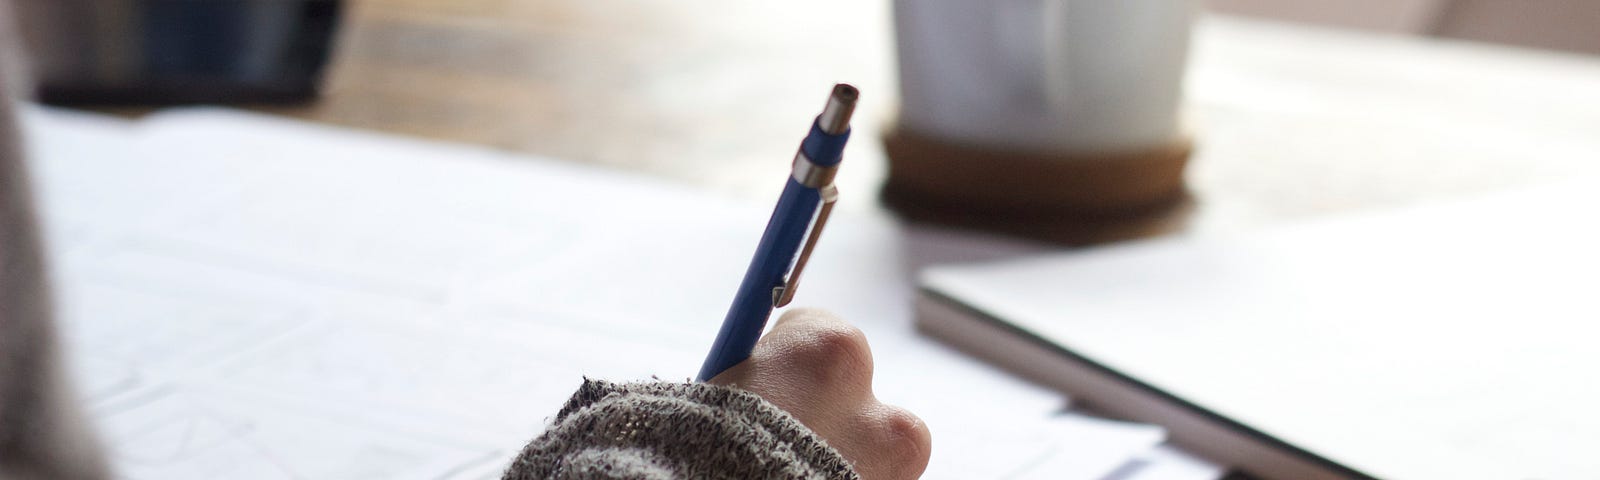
[819, 369]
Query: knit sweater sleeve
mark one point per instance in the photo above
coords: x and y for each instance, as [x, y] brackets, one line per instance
[662, 430]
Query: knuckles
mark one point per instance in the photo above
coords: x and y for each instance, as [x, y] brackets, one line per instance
[905, 438]
[817, 356]
[819, 352]
[839, 348]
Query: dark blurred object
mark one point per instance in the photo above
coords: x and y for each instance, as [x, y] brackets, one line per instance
[1553, 24]
[128, 52]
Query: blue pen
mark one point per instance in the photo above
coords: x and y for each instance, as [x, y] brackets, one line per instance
[807, 198]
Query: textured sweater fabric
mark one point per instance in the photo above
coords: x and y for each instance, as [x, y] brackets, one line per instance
[662, 430]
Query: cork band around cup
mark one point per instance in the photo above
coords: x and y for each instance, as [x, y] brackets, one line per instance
[1072, 198]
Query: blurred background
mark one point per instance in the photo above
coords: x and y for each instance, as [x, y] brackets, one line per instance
[1554, 24]
[1361, 97]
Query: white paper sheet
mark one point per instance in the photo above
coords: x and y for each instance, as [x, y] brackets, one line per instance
[1066, 446]
[1168, 463]
[251, 297]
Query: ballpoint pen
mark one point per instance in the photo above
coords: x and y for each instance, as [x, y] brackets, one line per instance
[807, 198]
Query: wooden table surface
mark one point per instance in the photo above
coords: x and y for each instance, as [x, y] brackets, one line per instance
[1292, 122]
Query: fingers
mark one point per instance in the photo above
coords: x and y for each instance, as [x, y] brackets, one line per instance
[812, 365]
[819, 369]
[903, 441]
[827, 352]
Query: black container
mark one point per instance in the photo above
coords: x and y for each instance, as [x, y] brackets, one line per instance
[143, 52]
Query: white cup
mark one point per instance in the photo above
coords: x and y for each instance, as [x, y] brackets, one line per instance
[1076, 76]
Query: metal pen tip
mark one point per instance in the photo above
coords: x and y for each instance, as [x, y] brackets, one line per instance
[835, 117]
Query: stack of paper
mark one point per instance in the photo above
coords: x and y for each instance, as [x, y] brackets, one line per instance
[250, 297]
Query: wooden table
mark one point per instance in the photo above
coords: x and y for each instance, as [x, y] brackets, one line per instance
[1292, 122]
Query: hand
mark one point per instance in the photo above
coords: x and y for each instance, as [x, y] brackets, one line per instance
[819, 369]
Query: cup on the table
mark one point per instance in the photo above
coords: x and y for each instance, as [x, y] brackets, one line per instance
[1039, 112]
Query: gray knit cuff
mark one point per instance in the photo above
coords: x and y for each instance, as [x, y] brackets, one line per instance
[662, 430]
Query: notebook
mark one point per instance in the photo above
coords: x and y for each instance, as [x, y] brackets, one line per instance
[1454, 340]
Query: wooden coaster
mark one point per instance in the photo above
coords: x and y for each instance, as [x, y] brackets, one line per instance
[1075, 199]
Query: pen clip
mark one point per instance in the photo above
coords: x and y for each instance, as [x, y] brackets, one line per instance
[782, 294]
